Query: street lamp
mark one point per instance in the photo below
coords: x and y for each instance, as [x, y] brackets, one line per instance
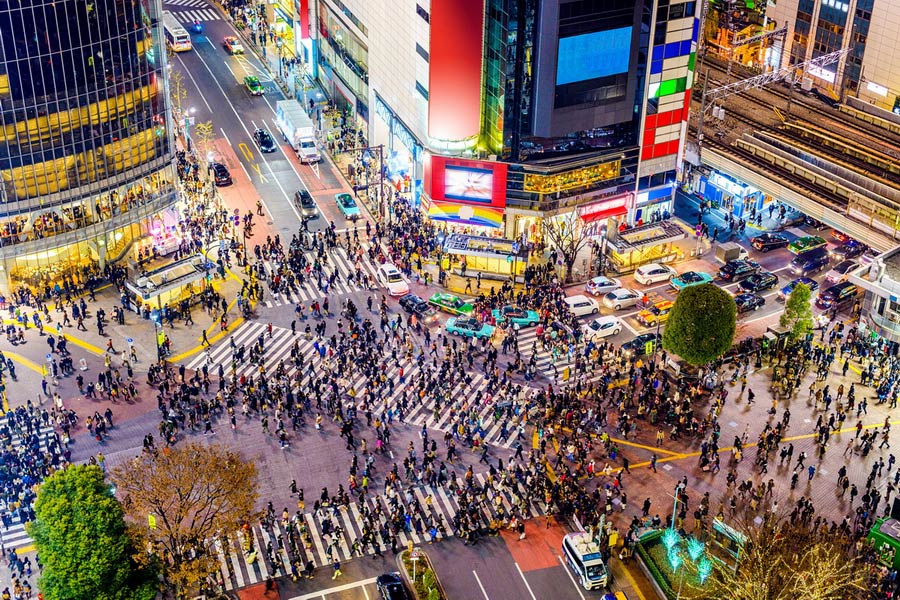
[188, 121]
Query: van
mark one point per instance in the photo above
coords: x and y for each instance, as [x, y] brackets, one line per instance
[581, 305]
[809, 262]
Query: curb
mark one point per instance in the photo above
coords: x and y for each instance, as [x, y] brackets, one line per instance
[428, 565]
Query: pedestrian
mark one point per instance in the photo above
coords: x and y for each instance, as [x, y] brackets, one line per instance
[336, 565]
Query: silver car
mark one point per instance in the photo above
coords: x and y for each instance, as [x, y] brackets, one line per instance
[600, 285]
[306, 205]
[621, 298]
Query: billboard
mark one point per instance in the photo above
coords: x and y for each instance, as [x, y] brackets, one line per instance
[472, 192]
[454, 69]
[593, 55]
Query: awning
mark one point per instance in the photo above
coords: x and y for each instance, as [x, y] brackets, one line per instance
[603, 209]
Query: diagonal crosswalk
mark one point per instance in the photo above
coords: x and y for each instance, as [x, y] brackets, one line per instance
[554, 359]
[14, 535]
[193, 3]
[312, 288]
[268, 550]
[456, 409]
[201, 15]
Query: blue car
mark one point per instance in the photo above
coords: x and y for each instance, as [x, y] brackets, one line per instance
[688, 279]
[469, 327]
[784, 292]
[347, 205]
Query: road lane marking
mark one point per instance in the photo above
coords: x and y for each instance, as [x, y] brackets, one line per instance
[335, 590]
[246, 152]
[196, 85]
[528, 587]
[572, 579]
[486, 597]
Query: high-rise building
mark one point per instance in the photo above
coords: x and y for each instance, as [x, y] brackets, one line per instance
[85, 139]
[867, 28]
[503, 113]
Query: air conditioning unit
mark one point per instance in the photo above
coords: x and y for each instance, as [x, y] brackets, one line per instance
[892, 316]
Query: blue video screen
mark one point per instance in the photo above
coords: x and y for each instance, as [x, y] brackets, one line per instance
[593, 55]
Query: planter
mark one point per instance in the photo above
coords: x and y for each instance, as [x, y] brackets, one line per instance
[668, 583]
[426, 585]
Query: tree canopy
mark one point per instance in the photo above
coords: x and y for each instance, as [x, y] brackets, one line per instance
[701, 325]
[80, 534]
[568, 236]
[194, 493]
[797, 317]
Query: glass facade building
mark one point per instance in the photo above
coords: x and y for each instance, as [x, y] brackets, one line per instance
[86, 144]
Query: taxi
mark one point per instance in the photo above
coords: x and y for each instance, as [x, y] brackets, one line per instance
[657, 313]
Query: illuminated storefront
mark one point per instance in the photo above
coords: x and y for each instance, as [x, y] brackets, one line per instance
[469, 196]
[97, 165]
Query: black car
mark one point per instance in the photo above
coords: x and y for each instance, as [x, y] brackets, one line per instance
[264, 140]
[417, 306]
[306, 204]
[638, 345]
[748, 302]
[759, 282]
[849, 249]
[841, 295]
[738, 269]
[809, 262]
[221, 174]
[815, 223]
[769, 241]
[390, 587]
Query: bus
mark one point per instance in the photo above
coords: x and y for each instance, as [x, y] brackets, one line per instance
[585, 559]
[177, 37]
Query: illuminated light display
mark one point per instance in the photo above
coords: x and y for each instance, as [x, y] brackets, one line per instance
[567, 180]
[466, 214]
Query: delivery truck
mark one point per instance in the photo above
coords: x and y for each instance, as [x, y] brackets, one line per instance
[298, 130]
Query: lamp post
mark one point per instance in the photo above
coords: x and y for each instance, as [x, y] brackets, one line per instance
[188, 121]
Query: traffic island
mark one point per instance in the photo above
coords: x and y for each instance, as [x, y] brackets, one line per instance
[420, 576]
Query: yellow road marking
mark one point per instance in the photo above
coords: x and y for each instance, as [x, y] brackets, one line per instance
[27, 362]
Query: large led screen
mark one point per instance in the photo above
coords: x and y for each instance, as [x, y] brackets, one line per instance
[474, 185]
[593, 55]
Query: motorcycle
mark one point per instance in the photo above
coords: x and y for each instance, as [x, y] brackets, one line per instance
[197, 27]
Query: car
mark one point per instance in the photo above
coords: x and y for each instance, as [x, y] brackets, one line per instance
[621, 298]
[759, 282]
[347, 205]
[600, 285]
[840, 236]
[233, 45]
[469, 327]
[841, 271]
[265, 141]
[736, 270]
[769, 241]
[815, 223]
[784, 292]
[516, 315]
[392, 279]
[654, 273]
[416, 305]
[450, 303]
[605, 326]
[306, 204]
[747, 302]
[809, 262]
[806, 243]
[689, 278]
[390, 587]
[840, 295]
[869, 256]
[581, 305]
[638, 345]
[793, 219]
[253, 85]
[655, 314]
[849, 249]
[221, 175]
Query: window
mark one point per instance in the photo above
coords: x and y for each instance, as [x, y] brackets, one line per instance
[422, 52]
[421, 89]
[423, 13]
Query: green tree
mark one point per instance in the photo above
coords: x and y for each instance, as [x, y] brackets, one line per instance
[797, 317]
[701, 325]
[195, 493]
[80, 534]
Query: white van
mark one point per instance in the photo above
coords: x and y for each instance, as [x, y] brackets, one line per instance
[581, 305]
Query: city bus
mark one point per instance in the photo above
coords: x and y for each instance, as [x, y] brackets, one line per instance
[177, 37]
[585, 560]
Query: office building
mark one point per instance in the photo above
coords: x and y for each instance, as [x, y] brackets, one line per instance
[85, 139]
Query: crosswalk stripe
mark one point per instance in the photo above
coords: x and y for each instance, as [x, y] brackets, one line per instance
[194, 3]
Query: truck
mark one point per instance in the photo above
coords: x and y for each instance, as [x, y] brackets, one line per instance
[298, 130]
[730, 251]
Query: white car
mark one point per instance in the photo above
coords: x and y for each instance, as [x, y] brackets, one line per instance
[581, 305]
[601, 285]
[391, 277]
[603, 327]
[621, 298]
[841, 271]
[654, 273]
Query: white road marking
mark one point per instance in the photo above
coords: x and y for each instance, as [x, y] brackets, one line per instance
[572, 579]
[196, 85]
[335, 590]
[519, 569]
[486, 597]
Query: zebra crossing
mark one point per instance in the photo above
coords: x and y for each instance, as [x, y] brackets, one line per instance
[192, 3]
[253, 555]
[13, 535]
[562, 357]
[346, 282]
[188, 17]
[484, 418]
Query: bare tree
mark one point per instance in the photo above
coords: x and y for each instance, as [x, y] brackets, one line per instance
[204, 134]
[568, 236]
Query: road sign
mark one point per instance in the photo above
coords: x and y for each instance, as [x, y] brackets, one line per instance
[414, 555]
[648, 348]
[129, 340]
[49, 357]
